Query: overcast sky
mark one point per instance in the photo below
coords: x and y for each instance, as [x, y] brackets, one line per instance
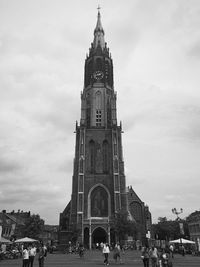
[155, 47]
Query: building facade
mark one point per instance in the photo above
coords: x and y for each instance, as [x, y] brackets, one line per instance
[12, 222]
[98, 182]
[193, 221]
[140, 214]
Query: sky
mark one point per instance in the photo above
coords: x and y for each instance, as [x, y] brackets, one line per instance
[155, 46]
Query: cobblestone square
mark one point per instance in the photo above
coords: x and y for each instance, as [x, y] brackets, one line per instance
[95, 259]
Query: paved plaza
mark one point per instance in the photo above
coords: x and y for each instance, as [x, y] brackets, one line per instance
[95, 259]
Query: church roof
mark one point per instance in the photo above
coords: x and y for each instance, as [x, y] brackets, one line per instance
[132, 196]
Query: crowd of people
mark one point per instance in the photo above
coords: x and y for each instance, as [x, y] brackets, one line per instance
[151, 256]
[161, 259]
[29, 252]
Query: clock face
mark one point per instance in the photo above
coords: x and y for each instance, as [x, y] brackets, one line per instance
[98, 75]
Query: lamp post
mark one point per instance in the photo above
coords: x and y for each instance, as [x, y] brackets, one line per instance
[176, 212]
[181, 226]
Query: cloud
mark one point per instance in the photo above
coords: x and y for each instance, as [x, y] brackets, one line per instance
[7, 166]
[194, 51]
[155, 47]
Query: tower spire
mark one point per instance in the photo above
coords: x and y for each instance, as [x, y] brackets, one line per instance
[99, 32]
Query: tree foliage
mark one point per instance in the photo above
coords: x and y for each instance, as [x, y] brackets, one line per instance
[168, 229]
[123, 226]
[193, 217]
[33, 226]
[75, 233]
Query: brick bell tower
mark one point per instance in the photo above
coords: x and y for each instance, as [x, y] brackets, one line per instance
[98, 182]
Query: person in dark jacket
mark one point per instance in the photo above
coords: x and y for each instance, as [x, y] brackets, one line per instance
[145, 256]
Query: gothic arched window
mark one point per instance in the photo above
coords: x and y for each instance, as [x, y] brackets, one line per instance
[105, 157]
[92, 156]
[136, 211]
[99, 202]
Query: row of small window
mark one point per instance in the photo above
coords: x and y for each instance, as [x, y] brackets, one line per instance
[98, 117]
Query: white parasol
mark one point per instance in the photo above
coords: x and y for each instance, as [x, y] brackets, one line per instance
[26, 240]
[182, 241]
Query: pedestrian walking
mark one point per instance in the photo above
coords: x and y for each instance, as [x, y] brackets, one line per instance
[145, 256]
[182, 250]
[117, 252]
[81, 250]
[106, 251]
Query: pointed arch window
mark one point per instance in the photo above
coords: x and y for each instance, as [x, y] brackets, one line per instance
[99, 202]
[136, 211]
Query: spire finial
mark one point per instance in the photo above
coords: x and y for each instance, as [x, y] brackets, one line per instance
[98, 8]
[99, 32]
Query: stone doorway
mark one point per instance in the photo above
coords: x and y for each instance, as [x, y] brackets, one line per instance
[99, 235]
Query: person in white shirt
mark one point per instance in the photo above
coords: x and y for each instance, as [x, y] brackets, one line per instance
[153, 252]
[106, 251]
[25, 257]
[171, 248]
[32, 253]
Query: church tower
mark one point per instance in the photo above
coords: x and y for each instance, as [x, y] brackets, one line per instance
[98, 182]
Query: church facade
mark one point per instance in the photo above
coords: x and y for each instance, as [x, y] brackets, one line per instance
[98, 183]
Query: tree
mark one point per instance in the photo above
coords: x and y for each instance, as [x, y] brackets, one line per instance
[162, 219]
[123, 226]
[194, 216]
[75, 233]
[168, 229]
[33, 226]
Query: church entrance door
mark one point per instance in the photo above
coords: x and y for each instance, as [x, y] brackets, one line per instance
[99, 235]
